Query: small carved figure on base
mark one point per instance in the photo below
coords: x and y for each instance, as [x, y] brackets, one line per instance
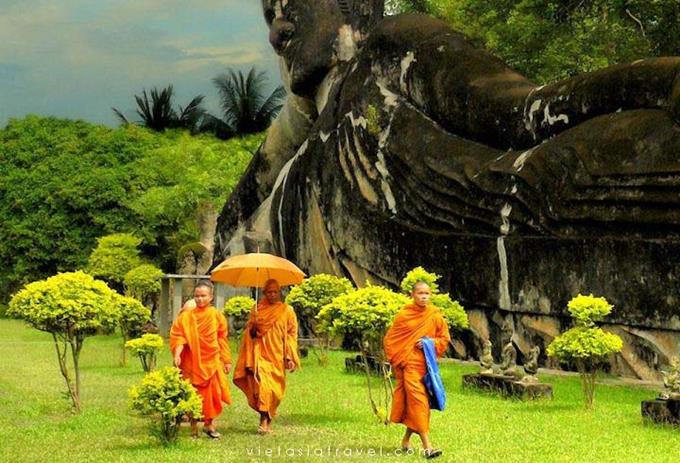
[509, 364]
[671, 380]
[486, 360]
[531, 365]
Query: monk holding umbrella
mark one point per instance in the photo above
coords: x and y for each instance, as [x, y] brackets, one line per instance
[269, 343]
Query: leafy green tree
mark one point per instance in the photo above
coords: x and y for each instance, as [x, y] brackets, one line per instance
[157, 113]
[547, 40]
[586, 345]
[114, 256]
[146, 348]
[365, 314]
[63, 184]
[167, 395]
[309, 297]
[132, 316]
[178, 188]
[246, 108]
[69, 306]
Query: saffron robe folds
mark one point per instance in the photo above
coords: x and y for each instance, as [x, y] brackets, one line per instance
[203, 332]
[261, 366]
[410, 403]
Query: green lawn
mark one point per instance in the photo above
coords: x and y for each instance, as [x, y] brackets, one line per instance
[324, 410]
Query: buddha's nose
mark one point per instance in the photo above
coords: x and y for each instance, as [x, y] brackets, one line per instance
[280, 33]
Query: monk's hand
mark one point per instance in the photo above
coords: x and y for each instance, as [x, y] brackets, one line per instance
[178, 359]
[227, 368]
[290, 365]
[419, 344]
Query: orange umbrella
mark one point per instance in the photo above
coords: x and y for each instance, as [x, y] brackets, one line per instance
[255, 269]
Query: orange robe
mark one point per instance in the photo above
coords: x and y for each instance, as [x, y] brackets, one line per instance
[260, 369]
[410, 404]
[203, 332]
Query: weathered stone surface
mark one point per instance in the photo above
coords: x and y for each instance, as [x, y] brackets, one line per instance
[508, 386]
[661, 411]
[419, 149]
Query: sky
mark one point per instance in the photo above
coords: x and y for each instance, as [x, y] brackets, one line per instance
[78, 58]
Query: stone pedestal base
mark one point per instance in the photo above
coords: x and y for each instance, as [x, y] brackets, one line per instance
[662, 411]
[508, 386]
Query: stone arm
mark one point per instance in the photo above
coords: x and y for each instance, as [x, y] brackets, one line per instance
[283, 139]
[473, 94]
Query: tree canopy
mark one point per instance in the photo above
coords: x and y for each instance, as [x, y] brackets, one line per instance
[547, 40]
[65, 183]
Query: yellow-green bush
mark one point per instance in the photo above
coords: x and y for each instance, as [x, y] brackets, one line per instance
[70, 306]
[587, 310]
[167, 395]
[143, 281]
[146, 348]
[453, 312]
[420, 274]
[363, 314]
[312, 294]
[238, 306]
[586, 345]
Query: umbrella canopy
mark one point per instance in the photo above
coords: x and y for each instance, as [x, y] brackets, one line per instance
[254, 269]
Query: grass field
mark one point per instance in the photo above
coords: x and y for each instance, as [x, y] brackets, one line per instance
[324, 417]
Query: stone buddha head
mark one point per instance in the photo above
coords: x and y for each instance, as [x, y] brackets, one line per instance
[312, 36]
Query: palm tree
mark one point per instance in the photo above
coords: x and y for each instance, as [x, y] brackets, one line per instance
[245, 106]
[156, 111]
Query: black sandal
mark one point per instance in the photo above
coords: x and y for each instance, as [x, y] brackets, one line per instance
[432, 453]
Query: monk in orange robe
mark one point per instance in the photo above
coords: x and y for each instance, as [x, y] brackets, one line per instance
[268, 348]
[404, 350]
[198, 341]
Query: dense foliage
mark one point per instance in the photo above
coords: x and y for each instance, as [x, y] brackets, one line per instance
[551, 39]
[586, 345]
[65, 183]
[69, 306]
[114, 256]
[167, 395]
[146, 348]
